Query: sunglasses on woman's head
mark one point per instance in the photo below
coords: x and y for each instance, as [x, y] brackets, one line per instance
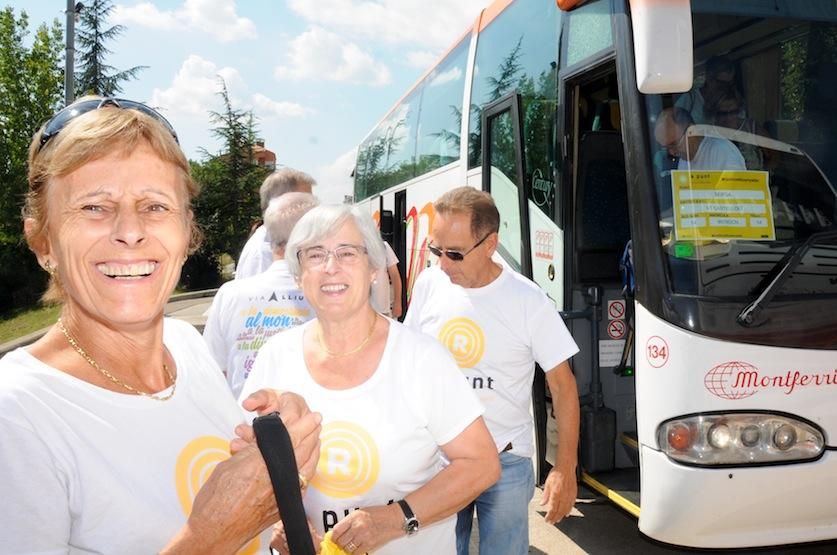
[456, 256]
[71, 112]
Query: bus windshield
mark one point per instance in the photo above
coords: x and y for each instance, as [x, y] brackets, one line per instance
[745, 168]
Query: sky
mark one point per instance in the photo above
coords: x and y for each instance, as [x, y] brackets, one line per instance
[317, 74]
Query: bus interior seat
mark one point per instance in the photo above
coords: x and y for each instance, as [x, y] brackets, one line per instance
[615, 115]
[608, 116]
[601, 210]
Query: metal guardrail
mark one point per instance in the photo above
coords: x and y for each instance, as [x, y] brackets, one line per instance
[34, 336]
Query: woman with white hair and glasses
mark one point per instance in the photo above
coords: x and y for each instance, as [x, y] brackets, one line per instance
[394, 402]
[113, 421]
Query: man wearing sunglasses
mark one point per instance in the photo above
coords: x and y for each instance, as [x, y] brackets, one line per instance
[497, 325]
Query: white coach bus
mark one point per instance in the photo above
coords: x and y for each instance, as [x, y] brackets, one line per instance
[712, 382]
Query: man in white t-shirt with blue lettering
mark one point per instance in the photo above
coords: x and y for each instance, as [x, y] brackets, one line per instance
[245, 313]
[498, 324]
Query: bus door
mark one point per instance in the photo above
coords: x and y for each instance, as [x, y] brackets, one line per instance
[599, 307]
[399, 239]
[502, 177]
[374, 208]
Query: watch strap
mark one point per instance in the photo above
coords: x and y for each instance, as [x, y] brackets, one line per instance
[405, 508]
[411, 523]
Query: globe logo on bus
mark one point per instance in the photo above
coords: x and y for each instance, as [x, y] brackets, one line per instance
[721, 380]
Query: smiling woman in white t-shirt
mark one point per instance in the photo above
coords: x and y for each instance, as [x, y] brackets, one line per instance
[393, 402]
[116, 424]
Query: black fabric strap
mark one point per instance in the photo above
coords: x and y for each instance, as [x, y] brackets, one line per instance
[276, 447]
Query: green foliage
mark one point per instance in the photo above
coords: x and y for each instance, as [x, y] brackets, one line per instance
[538, 94]
[94, 75]
[229, 202]
[507, 73]
[507, 77]
[451, 136]
[30, 91]
[18, 323]
[801, 60]
[374, 171]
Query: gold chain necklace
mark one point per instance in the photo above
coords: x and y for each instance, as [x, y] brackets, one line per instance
[353, 351]
[110, 376]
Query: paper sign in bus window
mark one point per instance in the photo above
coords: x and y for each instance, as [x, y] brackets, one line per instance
[722, 205]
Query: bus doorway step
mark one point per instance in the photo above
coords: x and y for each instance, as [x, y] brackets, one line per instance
[621, 486]
[630, 444]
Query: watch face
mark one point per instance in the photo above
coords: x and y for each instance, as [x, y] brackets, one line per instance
[411, 526]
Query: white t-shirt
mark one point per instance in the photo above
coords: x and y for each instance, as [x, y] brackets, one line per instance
[496, 334]
[245, 313]
[714, 153]
[380, 440]
[381, 292]
[256, 256]
[87, 470]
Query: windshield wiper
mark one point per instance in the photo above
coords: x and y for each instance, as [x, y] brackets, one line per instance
[778, 275]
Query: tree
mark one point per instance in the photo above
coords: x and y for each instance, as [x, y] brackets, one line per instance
[30, 91]
[94, 75]
[506, 78]
[229, 201]
[506, 74]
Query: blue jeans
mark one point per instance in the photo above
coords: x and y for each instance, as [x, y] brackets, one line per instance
[502, 511]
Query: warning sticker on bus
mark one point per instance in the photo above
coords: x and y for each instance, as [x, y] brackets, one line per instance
[722, 205]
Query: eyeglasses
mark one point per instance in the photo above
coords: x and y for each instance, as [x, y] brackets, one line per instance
[673, 145]
[345, 255]
[456, 256]
[71, 112]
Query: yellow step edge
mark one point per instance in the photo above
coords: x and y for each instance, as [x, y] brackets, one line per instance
[622, 502]
[629, 441]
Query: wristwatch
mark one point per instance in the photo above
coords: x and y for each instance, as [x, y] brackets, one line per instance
[411, 523]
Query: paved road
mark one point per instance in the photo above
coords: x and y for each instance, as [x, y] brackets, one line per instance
[597, 526]
[191, 310]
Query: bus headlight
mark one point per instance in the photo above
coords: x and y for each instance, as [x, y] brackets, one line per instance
[750, 435]
[784, 437]
[719, 436]
[739, 439]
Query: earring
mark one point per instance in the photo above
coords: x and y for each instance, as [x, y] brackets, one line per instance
[49, 269]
